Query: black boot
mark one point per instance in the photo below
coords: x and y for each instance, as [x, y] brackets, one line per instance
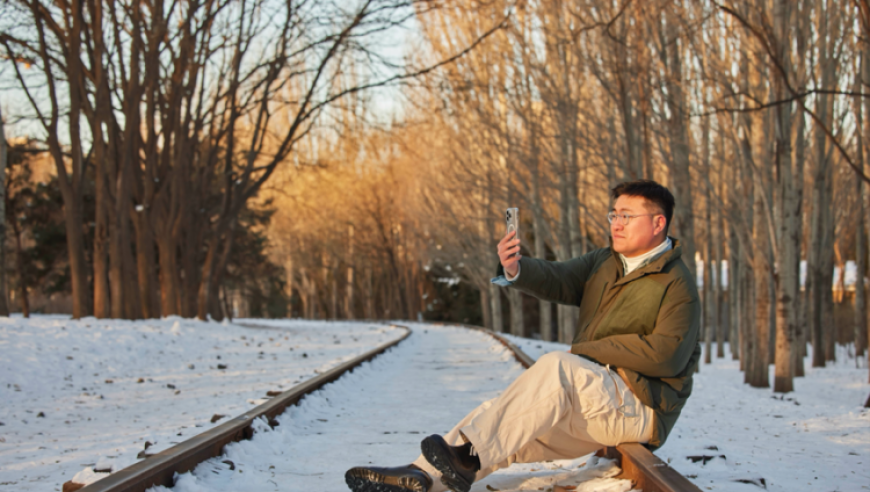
[457, 465]
[398, 479]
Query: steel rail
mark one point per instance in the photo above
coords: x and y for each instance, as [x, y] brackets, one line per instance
[161, 468]
[645, 470]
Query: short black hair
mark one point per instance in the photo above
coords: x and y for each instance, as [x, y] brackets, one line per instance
[651, 192]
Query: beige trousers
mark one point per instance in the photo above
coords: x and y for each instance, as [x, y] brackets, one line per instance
[563, 407]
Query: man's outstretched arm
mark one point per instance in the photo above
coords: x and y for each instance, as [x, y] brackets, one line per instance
[562, 282]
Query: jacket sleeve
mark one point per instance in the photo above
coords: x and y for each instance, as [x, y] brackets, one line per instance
[664, 353]
[561, 282]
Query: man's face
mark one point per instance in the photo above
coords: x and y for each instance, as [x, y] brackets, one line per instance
[642, 233]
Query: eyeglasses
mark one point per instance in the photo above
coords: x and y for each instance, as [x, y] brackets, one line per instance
[625, 218]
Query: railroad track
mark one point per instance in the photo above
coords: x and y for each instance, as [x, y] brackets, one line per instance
[640, 466]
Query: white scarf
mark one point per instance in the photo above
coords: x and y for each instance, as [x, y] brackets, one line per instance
[632, 264]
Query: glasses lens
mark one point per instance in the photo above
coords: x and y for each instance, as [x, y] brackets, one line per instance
[623, 219]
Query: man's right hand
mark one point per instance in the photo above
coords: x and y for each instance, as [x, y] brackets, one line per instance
[509, 253]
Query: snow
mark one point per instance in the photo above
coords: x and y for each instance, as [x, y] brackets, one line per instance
[849, 276]
[85, 395]
[378, 414]
[816, 438]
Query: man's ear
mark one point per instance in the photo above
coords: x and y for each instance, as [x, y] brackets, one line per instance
[661, 224]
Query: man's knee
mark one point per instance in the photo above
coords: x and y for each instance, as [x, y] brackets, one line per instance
[561, 363]
[577, 370]
[555, 358]
[567, 359]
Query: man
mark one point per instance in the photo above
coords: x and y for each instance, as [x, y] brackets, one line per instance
[626, 378]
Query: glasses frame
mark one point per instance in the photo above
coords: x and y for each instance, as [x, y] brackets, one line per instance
[625, 219]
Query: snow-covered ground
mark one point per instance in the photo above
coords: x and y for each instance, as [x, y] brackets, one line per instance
[748, 439]
[91, 393]
[379, 414]
[60, 414]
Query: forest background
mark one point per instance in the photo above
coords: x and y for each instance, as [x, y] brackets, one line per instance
[350, 160]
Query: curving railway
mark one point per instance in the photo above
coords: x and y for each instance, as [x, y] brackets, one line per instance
[376, 410]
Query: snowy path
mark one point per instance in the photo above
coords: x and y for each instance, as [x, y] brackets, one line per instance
[72, 399]
[87, 394]
[378, 415]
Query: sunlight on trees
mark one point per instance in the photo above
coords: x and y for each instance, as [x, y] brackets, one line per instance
[753, 112]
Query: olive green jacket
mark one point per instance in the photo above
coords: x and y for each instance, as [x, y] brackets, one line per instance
[646, 324]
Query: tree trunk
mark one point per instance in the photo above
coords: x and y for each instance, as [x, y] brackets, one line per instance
[289, 285]
[219, 248]
[78, 265]
[683, 221]
[226, 248]
[495, 301]
[515, 299]
[146, 265]
[710, 300]
[19, 262]
[718, 236]
[191, 235]
[349, 291]
[757, 369]
[827, 264]
[771, 318]
[169, 281]
[4, 297]
[735, 258]
[545, 310]
[303, 293]
[203, 298]
[822, 193]
[102, 298]
[734, 294]
[865, 76]
[486, 307]
[567, 315]
[370, 294]
[74, 238]
[333, 288]
[748, 333]
[860, 267]
[411, 296]
[814, 267]
[709, 297]
[789, 220]
[117, 242]
[802, 298]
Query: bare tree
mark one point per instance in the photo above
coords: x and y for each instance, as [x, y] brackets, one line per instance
[4, 306]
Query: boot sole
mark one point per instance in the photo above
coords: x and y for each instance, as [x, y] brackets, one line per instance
[439, 457]
[365, 480]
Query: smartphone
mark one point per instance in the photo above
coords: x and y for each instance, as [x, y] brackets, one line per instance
[512, 220]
